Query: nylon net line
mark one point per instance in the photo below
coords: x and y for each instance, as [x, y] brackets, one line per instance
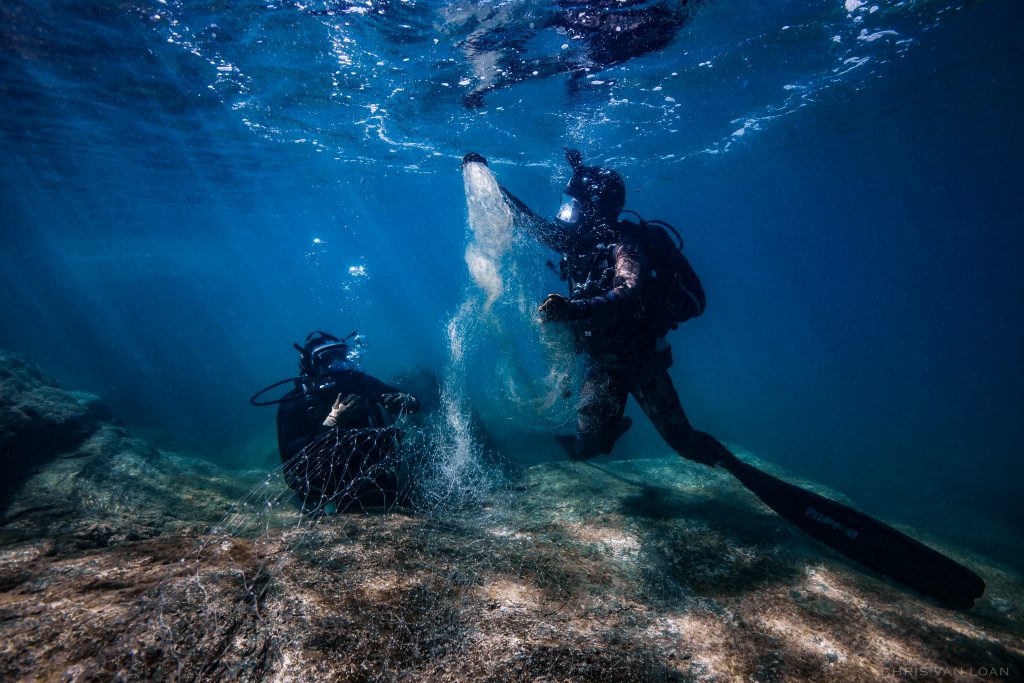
[407, 551]
[321, 579]
[348, 467]
[414, 550]
[524, 370]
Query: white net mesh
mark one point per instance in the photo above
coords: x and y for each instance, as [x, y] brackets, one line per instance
[405, 588]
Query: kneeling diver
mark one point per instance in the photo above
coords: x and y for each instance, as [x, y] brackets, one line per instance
[337, 432]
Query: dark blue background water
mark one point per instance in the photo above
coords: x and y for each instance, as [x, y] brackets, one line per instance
[168, 168]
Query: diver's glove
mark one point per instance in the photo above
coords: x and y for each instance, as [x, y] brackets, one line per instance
[473, 157]
[556, 308]
[399, 403]
[350, 410]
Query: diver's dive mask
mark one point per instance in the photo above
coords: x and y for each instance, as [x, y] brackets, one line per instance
[331, 359]
[324, 354]
[570, 212]
[321, 360]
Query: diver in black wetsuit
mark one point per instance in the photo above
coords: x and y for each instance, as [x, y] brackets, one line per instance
[616, 313]
[336, 430]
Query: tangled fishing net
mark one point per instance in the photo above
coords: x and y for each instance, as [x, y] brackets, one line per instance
[292, 578]
[413, 552]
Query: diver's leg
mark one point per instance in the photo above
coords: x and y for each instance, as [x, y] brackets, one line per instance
[599, 415]
[653, 390]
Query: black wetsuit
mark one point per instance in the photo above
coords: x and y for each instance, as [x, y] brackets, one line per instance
[356, 461]
[622, 336]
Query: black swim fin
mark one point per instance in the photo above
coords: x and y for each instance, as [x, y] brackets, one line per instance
[864, 539]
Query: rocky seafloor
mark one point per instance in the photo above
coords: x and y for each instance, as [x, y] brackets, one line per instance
[122, 562]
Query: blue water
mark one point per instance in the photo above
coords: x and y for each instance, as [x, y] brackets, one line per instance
[188, 188]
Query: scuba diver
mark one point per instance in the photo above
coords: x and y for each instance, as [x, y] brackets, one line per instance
[337, 431]
[629, 285]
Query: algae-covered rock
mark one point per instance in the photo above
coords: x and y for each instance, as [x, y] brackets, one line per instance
[640, 571]
[37, 419]
[121, 562]
[73, 477]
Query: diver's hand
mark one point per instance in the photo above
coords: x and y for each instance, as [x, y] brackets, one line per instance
[352, 406]
[471, 157]
[556, 308]
[398, 403]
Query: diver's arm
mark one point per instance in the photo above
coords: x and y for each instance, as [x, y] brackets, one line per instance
[540, 229]
[393, 399]
[622, 299]
[544, 231]
[618, 303]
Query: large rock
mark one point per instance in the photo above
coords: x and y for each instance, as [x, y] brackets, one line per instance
[37, 419]
[75, 478]
[118, 562]
[641, 571]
